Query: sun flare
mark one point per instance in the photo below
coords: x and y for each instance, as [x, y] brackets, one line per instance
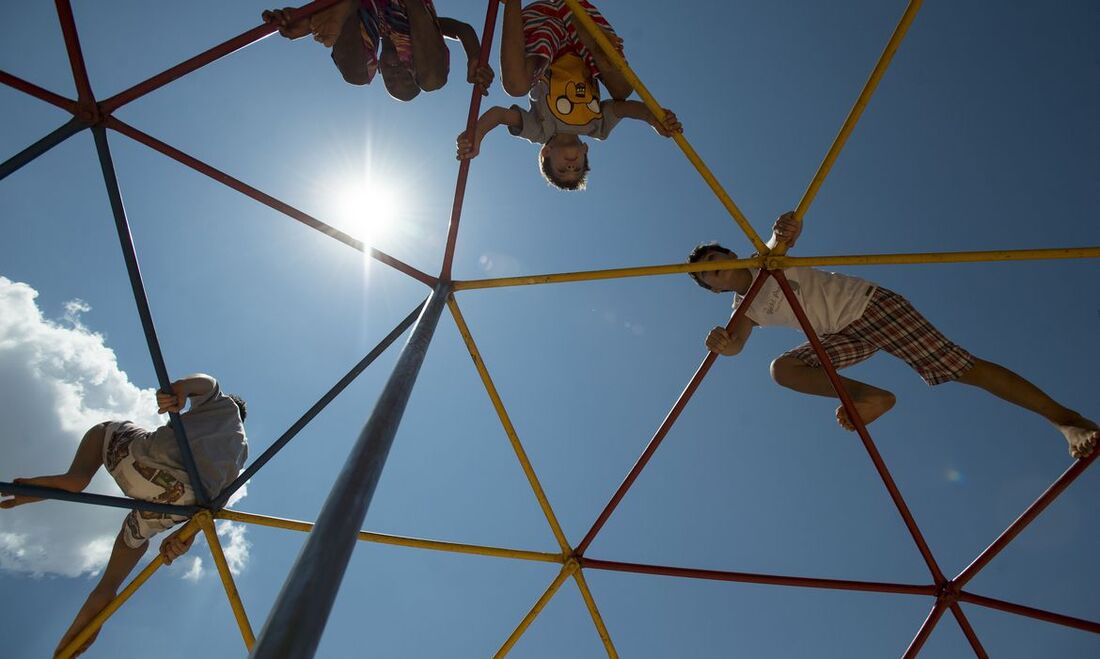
[367, 208]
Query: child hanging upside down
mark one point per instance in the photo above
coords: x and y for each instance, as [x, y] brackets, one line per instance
[147, 465]
[855, 318]
[544, 53]
[413, 55]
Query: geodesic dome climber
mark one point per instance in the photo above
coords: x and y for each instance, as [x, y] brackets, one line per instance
[296, 622]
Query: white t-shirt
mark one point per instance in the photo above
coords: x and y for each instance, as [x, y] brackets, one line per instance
[831, 301]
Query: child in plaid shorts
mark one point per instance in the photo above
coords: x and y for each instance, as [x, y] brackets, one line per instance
[546, 55]
[854, 319]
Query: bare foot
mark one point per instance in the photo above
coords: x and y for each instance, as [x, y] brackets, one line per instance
[60, 481]
[869, 409]
[1082, 437]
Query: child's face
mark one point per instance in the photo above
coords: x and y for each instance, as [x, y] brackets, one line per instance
[566, 159]
[719, 280]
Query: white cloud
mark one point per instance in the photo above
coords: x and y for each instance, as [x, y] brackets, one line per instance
[195, 572]
[57, 379]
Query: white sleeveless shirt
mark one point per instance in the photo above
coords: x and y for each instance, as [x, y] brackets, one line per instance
[831, 301]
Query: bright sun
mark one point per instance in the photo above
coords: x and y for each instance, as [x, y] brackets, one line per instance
[367, 208]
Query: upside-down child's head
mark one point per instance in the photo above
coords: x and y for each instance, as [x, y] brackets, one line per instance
[716, 281]
[563, 161]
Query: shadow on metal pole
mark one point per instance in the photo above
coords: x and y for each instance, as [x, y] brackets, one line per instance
[297, 620]
[128, 252]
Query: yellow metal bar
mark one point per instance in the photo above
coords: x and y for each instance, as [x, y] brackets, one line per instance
[775, 262]
[612, 54]
[207, 523]
[857, 109]
[615, 273]
[597, 619]
[528, 470]
[384, 539]
[569, 568]
[190, 529]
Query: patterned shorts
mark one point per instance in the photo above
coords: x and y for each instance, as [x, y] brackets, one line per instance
[891, 323]
[142, 481]
[549, 31]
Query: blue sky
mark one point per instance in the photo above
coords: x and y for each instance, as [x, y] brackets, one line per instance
[983, 135]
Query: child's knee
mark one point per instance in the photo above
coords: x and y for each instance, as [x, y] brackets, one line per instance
[432, 79]
[785, 369]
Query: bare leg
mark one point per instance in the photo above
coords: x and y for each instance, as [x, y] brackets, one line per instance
[122, 561]
[616, 83]
[88, 458]
[429, 51]
[1081, 434]
[870, 402]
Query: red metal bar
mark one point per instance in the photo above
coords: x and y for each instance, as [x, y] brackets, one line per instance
[968, 631]
[471, 119]
[666, 425]
[1026, 518]
[750, 577]
[76, 55]
[925, 630]
[265, 199]
[1031, 612]
[849, 406]
[202, 59]
[34, 90]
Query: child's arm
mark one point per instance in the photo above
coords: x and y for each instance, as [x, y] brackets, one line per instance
[122, 561]
[638, 110]
[493, 117]
[785, 230]
[281, 17]
[517, 71]
[730, 343]
[198, 384]
[482, 76]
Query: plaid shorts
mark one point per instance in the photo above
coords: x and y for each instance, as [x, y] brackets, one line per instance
[141, 481]
[891, 323]
[549, 32]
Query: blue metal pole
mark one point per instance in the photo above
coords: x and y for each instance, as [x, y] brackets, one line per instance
[67, 130]
[385, 343]
[96, 499]
[294, 627]
[128, 252]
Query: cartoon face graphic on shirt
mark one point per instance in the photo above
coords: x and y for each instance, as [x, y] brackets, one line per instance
[573, 97]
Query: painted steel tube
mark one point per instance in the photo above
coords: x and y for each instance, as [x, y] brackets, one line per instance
[968, 631]
[206, 57]
[55, 137]
[1068, 476]
[693, 157]
[861, 429]
[34, 90]
[614, 273]
[129, 253]
[76, 55]
[666, 425]
[464, 166]
[320, 405]
[190, 529]
[97, 499]
[1031, 612]
[511, 641]
[509, 429]
[297, 620]
[396, 540]
[925, 630]
[594, 612]
[755, 578]
[230, 586]
[266, 199]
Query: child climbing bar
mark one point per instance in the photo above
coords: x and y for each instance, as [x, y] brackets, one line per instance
[854, 318]
[147, 465]
[404, 39]
[545, 55]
